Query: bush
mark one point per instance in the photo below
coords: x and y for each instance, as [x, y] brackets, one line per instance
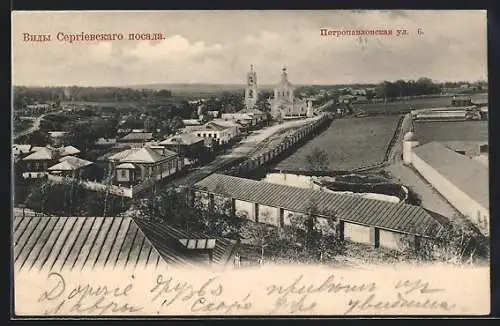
[459, 242]
[72, 199]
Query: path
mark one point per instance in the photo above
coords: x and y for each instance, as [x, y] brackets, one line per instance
[431, 199]
[34, 127]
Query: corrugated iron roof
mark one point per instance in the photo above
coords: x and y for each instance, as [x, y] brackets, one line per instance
[386, 215]
[40, 154]
[167, 239]
[66, 243]
[466, 174]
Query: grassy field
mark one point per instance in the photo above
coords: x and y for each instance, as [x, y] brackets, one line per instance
[406, 106]
[452, 131]
[350, 143]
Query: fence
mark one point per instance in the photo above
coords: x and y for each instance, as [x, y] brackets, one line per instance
[129, 192]
[285, 145]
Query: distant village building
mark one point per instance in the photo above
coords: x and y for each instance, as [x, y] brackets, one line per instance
[34, 109]
[461, 100]
[191, 122]
[285, 104]
[246, 117]
[137, 139]
[222, 132]
[58, 138]
[185, 145]
[105, 142]
[251, 91]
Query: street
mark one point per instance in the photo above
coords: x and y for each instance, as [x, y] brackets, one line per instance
[34, 127]
[241, 150]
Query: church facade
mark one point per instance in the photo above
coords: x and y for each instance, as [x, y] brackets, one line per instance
[285, 105]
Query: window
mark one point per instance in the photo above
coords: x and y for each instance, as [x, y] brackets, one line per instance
[199, 135]
[123, 173]
[250, 93]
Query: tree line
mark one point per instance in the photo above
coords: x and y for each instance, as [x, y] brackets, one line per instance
[23, 96]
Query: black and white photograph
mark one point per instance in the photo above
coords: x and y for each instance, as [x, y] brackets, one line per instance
[253, 162]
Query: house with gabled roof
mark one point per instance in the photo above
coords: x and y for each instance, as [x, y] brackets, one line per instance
[41, 158]
[71, 166]
[186, 145]
[135, 165]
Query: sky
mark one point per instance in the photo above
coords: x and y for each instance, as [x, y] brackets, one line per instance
[217, 47]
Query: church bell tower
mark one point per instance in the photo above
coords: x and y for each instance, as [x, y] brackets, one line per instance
[251, 89]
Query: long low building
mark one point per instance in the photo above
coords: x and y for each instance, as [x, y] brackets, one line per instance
[80, 243]
[363, 220]
[462, 180]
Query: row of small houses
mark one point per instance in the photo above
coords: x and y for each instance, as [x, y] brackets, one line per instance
[130, 169]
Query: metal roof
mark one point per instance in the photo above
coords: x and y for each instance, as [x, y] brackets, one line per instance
[466, 174]
[70, 163]
[167, 240]
[182, 139]
[50, 153]
[141, 155]
[385, 215]
[66, 243]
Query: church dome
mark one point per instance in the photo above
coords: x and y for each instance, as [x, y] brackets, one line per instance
[410, 136]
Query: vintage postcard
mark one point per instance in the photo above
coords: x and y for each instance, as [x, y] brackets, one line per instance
[201, 163]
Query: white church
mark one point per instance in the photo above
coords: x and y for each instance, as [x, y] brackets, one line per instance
[284, 104]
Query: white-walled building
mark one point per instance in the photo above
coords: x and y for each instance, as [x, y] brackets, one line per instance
[463, 181]
[284, 103]
[221, 133]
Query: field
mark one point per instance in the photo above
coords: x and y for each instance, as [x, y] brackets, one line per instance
[419, 103]
[452, 131]
[350, 143]
[197, 91]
